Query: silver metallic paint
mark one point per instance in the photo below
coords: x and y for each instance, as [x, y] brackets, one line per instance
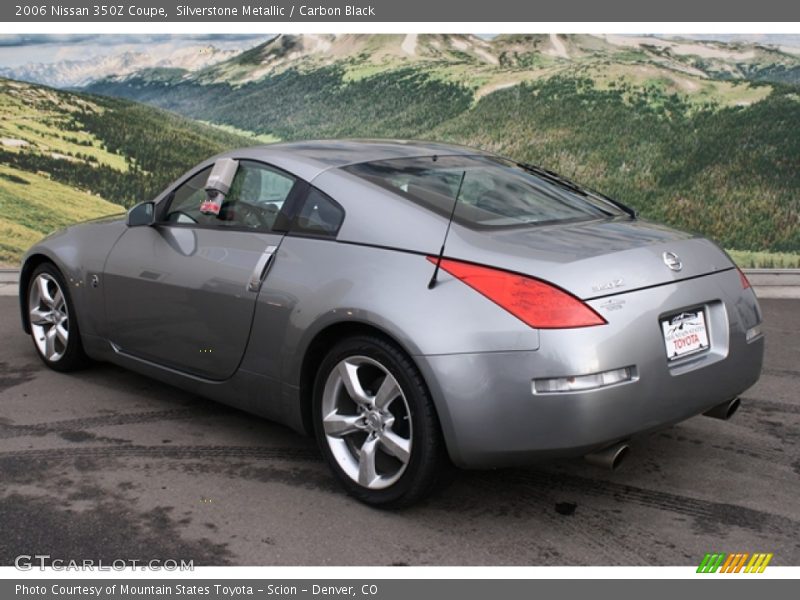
[189, 286]
[198, 307]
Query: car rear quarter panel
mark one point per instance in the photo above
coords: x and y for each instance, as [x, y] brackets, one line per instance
[316, 284]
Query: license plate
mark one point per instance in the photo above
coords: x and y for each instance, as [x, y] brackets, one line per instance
[685, 333]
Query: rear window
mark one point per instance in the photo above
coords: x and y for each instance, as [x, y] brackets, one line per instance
[491, 192]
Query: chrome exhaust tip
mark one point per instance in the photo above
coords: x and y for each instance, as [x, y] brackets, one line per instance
[725, 410]
[609, 458]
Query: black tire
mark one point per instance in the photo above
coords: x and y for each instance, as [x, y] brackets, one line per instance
[428, 456]
[71, 356]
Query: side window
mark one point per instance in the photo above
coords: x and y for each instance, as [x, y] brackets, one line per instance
[185, 204]
[319, 215]
[256, 197]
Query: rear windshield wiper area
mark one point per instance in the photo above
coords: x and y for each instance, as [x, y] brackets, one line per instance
[574, 187]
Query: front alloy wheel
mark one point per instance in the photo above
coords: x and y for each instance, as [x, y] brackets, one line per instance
[51, 315]
[375, 423]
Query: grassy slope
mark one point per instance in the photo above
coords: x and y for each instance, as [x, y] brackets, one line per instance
[69, 157]
[32, 206]
[43, 119]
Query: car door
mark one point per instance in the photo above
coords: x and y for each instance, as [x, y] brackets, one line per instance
[182, 291]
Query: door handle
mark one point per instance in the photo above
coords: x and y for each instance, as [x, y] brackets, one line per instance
[261, 268]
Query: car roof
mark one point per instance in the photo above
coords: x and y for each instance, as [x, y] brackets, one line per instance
[307, 159]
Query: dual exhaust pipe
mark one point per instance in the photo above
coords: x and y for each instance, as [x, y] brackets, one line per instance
[611, 458]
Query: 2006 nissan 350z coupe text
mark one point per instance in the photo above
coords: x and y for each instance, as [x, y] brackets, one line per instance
[412, 304]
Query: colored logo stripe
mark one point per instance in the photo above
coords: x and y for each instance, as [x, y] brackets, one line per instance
[734, 563]
[758, 563]
[711, 563]
[727, 566]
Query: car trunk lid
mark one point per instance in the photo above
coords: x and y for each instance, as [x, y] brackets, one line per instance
[594, 258]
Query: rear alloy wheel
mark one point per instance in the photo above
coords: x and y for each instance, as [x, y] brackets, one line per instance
[51, 315]
[376, 424]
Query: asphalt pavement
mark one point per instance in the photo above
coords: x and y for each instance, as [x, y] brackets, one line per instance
[106, 464]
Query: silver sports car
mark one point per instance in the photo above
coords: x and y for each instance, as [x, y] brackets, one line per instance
[414, 305]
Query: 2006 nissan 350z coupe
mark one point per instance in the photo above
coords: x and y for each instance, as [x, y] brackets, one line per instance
[412, 304]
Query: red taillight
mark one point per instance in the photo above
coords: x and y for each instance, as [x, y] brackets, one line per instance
[536, 303]
[743, 279]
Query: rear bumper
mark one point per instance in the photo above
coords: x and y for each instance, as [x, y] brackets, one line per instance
[491, 416]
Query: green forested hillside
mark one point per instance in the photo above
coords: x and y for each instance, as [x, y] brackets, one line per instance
[721, 158]
[701, 135]
[732, 173]
[316, 104]
[67, 157]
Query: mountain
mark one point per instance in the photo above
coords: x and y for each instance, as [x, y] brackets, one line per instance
[692, 132]
[471, 59]
[66, 157]
[365, 53]
[78, 73]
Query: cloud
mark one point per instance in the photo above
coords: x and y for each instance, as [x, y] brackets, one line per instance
[28, 49]
[39, 39]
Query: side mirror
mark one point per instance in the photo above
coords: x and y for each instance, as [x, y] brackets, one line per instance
[143, 214]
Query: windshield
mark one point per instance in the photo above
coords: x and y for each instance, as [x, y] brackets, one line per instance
[491, 192]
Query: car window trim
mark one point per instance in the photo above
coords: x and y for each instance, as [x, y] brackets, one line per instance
[163, 204]
[298, 205]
